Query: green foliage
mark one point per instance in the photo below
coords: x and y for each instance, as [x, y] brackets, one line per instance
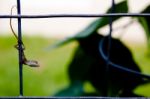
[145, 23]
[85, 67]
[51, 77]
[74, 89]
[94, 26]
[45, 80]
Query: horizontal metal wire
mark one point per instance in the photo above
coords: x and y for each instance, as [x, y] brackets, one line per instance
[77, 15]
[83, 97]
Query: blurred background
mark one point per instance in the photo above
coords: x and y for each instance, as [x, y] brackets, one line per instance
[67, 26]
[38, 34]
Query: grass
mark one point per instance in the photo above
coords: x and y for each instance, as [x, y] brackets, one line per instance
[46, 80]
[141, 57]
[51, 76]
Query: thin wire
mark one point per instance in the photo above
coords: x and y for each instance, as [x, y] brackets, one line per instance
[109, 48]
[120, 67]
[109, 35]
[77, 15]
[20, 49]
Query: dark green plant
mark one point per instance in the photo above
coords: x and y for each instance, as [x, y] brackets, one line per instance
[88, 64]
[145, 23]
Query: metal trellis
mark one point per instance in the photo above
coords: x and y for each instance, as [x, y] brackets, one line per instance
[19, 16]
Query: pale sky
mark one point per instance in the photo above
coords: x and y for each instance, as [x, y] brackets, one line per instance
[59, 27]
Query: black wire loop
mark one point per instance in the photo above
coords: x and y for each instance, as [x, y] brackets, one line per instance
[117, 66]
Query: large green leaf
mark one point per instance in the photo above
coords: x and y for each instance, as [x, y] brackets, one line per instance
[75, 89]
[79, 66]
[88, 65]
[121, 7]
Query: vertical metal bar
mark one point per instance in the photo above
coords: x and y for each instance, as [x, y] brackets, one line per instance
[20, 51]
[110, 30]
[109, 48]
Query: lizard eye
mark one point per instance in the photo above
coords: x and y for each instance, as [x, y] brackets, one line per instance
[17, 47]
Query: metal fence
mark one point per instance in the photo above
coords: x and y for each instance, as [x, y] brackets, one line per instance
[20, 48]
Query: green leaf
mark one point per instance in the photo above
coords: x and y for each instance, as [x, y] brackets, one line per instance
[95, 25]
[112, 83]
[75, 89]
[145, 23]
[80, 65]
[101, 22]
[60, 43]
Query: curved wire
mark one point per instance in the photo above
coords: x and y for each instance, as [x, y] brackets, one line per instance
[120, 67]
[109, 48]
